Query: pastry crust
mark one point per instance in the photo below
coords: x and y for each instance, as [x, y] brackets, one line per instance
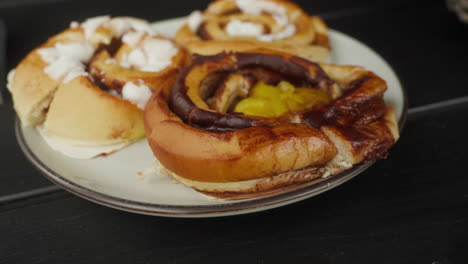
[288, 181]
[310, 39]
[89, 107]
[268, 154]
[212, 47]
[104, 119]
[115, 76]
[32, 89]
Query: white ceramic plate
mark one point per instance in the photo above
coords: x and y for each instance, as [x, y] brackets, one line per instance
[115, 181]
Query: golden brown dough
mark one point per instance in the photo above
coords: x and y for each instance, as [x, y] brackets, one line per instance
[237, 156]
[74, 83]
[283, 25]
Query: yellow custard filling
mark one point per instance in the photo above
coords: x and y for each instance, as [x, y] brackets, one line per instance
[274, 101]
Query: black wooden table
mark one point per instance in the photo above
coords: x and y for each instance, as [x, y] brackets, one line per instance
[410, 208]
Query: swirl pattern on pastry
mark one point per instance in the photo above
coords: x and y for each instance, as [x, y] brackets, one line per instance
[90, 83]
[234, 155]
[240, 25]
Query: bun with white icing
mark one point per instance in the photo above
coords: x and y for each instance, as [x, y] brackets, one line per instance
[90, 83]
[241, 25]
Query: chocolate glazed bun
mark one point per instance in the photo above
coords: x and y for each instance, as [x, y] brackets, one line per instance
[233, 156]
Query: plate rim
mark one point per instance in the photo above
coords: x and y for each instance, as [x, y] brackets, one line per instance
[184, 210]
[216, 210]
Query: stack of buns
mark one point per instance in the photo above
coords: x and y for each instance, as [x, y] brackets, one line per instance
[85, 85]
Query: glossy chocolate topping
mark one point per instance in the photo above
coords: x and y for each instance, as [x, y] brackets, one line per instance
[183, 107]
[294, 69]
[272, 68]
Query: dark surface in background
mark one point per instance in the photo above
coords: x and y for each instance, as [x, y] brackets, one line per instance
[410, 208]
[419, 38]
[426, 45]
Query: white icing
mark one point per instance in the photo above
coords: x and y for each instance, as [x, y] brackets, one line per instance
[119, 25]
[194, 20]
[137, 58]
[77, 51]
[66, 60]
[132, 38]
[91, 24]
[257, 7]
[159, 53]
[239, 28]
[75, 72]
[122, 25]
[76, 149]
[136, 94]
[74, 24]
[110, 61]
[61, 67]
[288, 31]
[152, 55]
[49, 55]
[140, 26]
[281, 20]
[10, 77]
[278, 12]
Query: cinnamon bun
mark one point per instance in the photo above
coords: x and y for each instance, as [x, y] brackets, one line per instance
[89, 84]
[241, 25]
[211, 130]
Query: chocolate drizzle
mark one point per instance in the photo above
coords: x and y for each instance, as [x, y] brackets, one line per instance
[358, 115]
[294, 69]
[203, 33]
[341, 112]
[183, 107]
